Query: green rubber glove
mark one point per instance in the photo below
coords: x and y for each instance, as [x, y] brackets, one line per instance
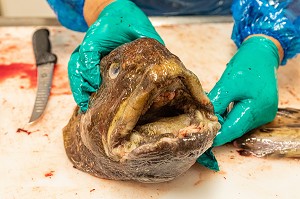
[120, 22]
[249, 81]
[209, 160]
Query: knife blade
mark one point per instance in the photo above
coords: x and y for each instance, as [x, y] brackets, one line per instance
[45, 61]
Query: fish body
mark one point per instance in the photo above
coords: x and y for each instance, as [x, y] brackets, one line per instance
[279, 138]
[148, 122]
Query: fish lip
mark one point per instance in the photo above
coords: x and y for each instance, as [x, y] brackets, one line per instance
[155, 75]
[192, 145]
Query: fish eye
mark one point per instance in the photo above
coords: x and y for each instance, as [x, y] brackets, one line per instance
[114, 70]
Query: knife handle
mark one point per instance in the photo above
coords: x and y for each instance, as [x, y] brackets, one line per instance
[42, 47]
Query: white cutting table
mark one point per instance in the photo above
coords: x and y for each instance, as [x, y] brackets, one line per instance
[33, 164]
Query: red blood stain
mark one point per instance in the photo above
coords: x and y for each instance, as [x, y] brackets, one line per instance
[60, 84]
[19, 130]
[21, 70]
[49, 174]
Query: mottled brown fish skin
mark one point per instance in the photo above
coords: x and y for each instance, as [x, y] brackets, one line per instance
[148, 123]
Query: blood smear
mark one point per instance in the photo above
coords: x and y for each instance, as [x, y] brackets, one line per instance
[60, 84]
[21, 70]
[19, 130]
[49, 174]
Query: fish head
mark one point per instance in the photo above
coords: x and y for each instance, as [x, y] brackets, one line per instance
[150, 117]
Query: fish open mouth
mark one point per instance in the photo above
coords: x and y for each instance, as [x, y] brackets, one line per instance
[149, 122]
[165, 114]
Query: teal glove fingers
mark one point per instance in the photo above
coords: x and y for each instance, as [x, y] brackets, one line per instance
[80, 88]
[249, 81]
[237, 123]
[90, 71]
[120, 22]
[209, 160]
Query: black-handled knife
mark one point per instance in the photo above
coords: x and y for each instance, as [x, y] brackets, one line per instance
[45, 61]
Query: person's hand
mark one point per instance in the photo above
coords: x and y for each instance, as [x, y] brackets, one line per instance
[119, 22]
[249, 81]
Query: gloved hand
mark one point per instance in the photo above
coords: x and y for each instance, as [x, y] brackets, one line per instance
[249, 81]
[118, 23]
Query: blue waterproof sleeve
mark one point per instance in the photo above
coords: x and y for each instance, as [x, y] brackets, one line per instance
[184, 7]
[277, 18]
[70, 13]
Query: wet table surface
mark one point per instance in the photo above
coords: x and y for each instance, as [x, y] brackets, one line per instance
[33, 160]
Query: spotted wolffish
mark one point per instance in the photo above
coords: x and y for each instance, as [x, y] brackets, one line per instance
[148, 122]
[279, 138]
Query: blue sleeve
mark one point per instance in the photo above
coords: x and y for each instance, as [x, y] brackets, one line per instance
[70, 13]
[277, 18]
[184, 7]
